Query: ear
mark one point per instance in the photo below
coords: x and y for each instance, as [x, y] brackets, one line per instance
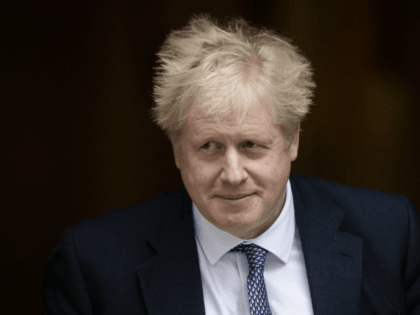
[177, 154]
[293, 150]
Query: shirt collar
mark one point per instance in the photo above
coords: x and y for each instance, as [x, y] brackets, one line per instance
[278, 239]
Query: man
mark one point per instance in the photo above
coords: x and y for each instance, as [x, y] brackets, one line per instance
[243, 237]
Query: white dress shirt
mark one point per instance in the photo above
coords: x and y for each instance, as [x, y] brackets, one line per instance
[224, 274]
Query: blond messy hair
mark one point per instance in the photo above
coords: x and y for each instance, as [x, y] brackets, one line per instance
[229, 67]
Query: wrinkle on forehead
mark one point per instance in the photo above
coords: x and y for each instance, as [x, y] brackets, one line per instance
[254, 125]
[208, 128]
[235, 115]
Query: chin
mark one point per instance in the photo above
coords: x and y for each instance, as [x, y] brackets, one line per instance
[240, 222]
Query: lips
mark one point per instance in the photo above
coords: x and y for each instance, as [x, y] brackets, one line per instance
[234, 197]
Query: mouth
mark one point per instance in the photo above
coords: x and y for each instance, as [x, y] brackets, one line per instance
[234, 197]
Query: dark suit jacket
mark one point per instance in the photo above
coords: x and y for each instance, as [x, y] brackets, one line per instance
[361, 250]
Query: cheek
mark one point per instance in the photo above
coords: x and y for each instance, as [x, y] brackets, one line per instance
[271, 172]
[267, 165]
[199, 176]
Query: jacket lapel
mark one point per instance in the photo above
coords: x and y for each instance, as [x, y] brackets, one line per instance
[171, 280]
[333, 259]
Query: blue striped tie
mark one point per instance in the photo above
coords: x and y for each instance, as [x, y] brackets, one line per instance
[257, 293]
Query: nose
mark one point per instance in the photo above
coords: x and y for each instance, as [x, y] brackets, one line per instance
[233, 172]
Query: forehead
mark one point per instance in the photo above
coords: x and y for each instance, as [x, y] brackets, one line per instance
[257, 119]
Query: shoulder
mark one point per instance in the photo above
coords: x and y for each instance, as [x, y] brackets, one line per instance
[364, 208]
[125, 224]
[368, 213]
[344, 195]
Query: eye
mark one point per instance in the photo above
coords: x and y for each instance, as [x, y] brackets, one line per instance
[250, 145]
[210, 146]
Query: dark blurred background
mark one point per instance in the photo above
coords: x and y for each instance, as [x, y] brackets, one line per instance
[77, 140]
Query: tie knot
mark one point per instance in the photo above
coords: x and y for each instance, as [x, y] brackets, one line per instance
[254, 254]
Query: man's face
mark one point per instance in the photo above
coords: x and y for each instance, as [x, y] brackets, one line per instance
[236, 175]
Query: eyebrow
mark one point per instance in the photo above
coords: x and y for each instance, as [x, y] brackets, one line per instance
[208, 134]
